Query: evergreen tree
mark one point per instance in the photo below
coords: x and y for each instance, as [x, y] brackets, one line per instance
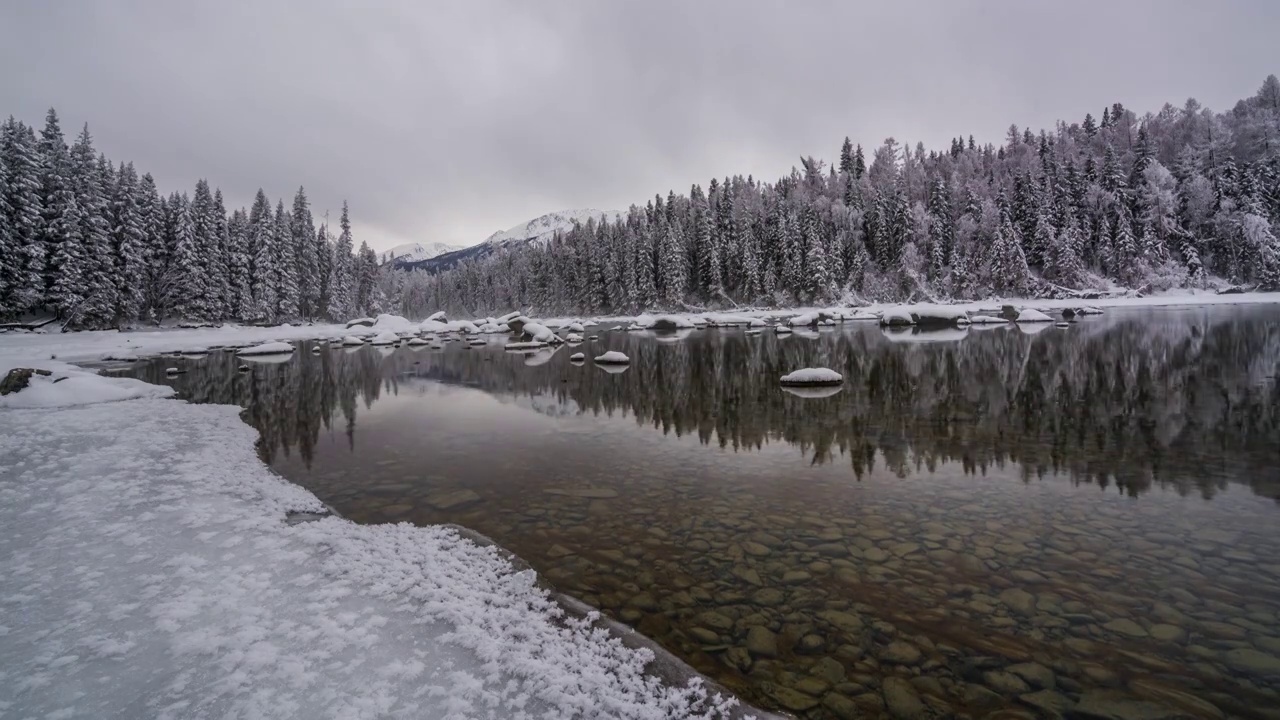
[130, 240]
[263, 275]
[671, 260]
[323, 249]
[221, 305]
[61, 232]
[204, 306]
[240, 300]
[151, 218]
[24, 208]
[303, 231]
[187, 283]
[340, 276]
[817, 265]
[286, 266]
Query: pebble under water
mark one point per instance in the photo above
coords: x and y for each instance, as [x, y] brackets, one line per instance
[1034, 522]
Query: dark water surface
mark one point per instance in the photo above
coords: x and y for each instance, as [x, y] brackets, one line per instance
[1078, 521]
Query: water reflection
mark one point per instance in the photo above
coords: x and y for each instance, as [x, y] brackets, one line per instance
[929, 541]
[1186, 399]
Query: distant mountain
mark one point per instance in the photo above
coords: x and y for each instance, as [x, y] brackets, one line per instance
[537, 230]
[415, 252]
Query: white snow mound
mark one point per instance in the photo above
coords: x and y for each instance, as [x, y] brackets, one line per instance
[385, 338]
[352, 340]
[813, 376]
[613, 357]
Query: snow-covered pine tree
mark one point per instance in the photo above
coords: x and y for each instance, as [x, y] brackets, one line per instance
[817, 261]
[942, 229]
[286, 266]
[220, 301]
[263, 276]
[10, 254]
[340, 278]
[130, 247]
[1010, 272]
[61, 232]
[368, 300]
[322, 247]
[24, 205]
[187, 283]
[709, 266]
[239, 268]
[671, 265]
[151, 218]
[303, 231]
[204, 306]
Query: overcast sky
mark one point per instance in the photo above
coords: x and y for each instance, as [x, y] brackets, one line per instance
[443, 122]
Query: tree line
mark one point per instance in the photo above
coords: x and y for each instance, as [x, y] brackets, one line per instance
[95, 243]
[1179, 198]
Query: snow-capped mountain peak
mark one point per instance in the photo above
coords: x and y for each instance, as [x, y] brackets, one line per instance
[413, 252]
[541, 229]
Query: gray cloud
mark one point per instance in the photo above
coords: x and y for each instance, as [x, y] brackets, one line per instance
[446, 121]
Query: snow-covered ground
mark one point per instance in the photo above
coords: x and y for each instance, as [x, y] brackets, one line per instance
[148, 569]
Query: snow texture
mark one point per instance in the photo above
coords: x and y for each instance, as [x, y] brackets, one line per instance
[541, 229]
[987, 320]
[577, 357]
[813, 376]
[395, 324]
[269, 348]
[897, 316]
[352, 341]
[612, 357]
[385, 337]
[148, 569]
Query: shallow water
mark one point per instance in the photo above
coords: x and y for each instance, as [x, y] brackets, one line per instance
[1028, 522]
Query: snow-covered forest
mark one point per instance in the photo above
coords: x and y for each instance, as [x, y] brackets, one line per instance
[92, 241]
[1180, 198]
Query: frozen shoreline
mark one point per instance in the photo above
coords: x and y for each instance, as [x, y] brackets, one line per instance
[147, 544]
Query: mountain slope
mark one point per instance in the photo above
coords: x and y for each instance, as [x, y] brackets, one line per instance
[414, 252]
[536, 231]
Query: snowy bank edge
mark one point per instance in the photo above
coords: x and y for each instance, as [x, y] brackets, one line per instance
[665, 666]
[295, 503]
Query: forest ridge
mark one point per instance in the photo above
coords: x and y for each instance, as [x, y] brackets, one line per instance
[1179, 198]
[1171, 199]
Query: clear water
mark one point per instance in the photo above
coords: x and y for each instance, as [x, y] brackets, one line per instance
[1026, 522]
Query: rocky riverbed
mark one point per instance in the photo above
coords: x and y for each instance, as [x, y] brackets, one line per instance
[1079, 523]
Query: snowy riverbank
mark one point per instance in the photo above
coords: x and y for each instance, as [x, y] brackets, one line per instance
[147, 570]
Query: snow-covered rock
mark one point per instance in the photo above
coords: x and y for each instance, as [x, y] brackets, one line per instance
[577, 357]
[813, 376]
[352, 341]
[987, 320]
[803, 320]
[782, 330]
[1031, 315]
[538, 332]
[385, 338]
[432, 326]
[612, 357]
[493, 328]
[462, 326]
[724, 320]
[898, 316]
[365, 322]
[395, 324]
[573, 338]
[270, 348]
[861, 315]
[67, 386]
[669, 322]
[438, 316]
[418, 342]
